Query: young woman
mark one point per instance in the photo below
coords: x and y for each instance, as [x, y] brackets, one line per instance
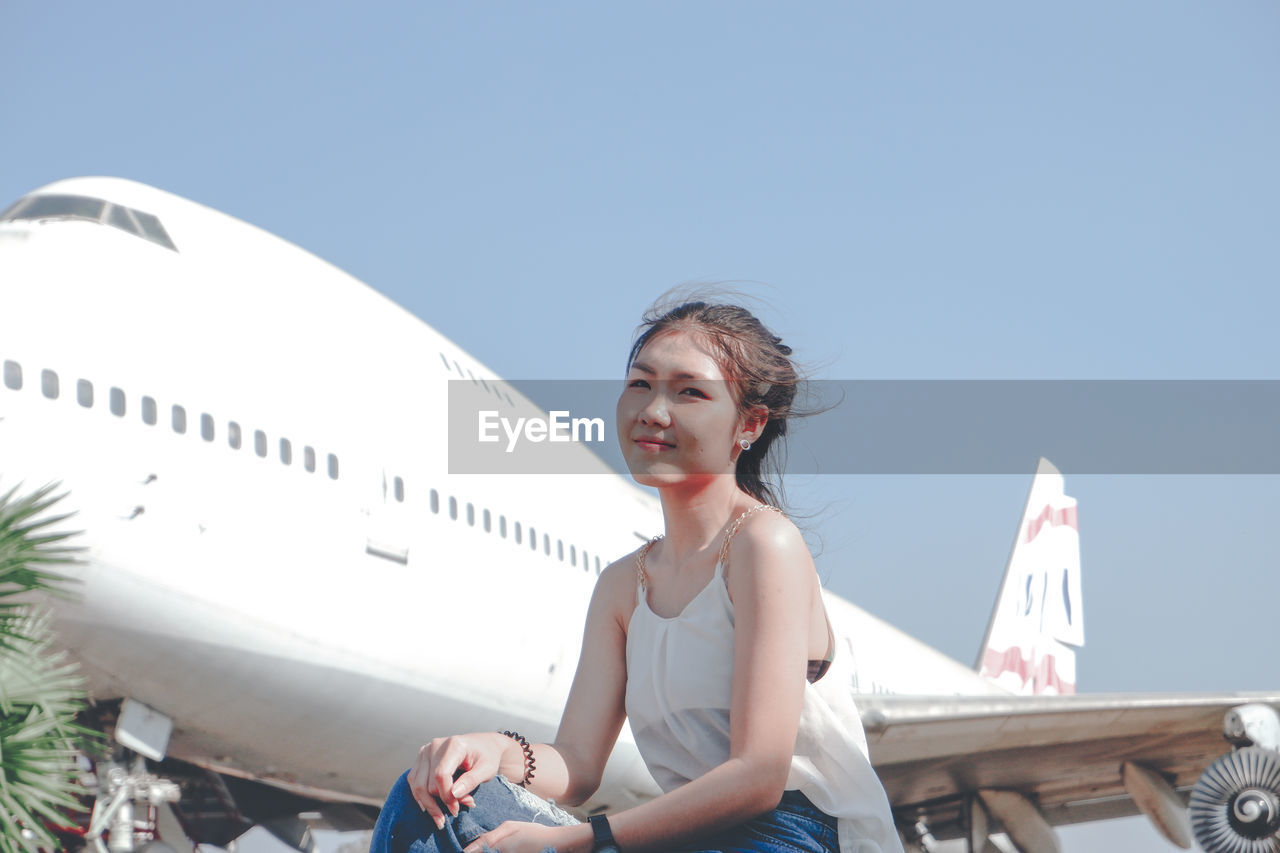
[712, 640]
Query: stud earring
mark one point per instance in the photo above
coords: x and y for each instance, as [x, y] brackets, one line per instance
[744, 444]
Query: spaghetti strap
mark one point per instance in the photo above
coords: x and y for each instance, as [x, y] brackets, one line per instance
[723, 560]
[642, 576]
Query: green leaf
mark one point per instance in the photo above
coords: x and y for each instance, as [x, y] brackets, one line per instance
[41, 692]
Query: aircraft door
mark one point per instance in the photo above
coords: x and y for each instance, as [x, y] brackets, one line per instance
[387, 527]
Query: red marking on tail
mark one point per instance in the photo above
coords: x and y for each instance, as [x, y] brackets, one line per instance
[1054, 518]
[1042, 674]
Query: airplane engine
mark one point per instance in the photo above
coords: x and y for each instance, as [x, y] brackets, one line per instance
[1235, 805]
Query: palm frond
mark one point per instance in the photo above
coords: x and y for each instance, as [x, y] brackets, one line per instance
[28, 541]
[40, 696]
[41, 692]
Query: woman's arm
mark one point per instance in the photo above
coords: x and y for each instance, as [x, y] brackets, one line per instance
[772, 583]
[569, 770]
[597, 701]
[595, 709]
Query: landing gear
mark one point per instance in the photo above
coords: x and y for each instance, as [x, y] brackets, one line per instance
[919, 838]
[139, 795]
[126, 810]
[1235, 806]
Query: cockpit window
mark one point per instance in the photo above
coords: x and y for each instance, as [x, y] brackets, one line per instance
[152, 229]
[62, 207]
[119, 217]
[136, 222]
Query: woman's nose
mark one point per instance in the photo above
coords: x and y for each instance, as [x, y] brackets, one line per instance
[655, 411]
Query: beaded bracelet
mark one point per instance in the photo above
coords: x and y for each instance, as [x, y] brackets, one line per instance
[529, 765]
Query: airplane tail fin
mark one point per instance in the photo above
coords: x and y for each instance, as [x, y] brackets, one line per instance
[1038, 623]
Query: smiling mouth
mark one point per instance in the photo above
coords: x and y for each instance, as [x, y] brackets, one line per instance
[653, 443]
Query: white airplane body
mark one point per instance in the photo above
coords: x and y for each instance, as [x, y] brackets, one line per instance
[279, 562]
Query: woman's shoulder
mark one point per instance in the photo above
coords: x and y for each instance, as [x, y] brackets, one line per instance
[768, 542]
[759, 529]
[618, 582]
[623, 567]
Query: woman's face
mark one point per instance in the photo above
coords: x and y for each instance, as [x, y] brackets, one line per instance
[677, 419]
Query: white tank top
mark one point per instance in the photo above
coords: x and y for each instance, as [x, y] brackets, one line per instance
[679, 684]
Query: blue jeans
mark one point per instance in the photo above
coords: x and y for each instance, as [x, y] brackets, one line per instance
[794, 826]
[403, 827]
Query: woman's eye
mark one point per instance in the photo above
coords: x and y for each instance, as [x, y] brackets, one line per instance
[695, 392]
[638, 383]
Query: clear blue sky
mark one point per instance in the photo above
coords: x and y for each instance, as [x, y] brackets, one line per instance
[927, 191]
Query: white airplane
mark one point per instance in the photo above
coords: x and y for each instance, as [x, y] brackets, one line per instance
[285, 590]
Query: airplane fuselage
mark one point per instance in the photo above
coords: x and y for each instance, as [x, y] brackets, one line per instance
[277, 557]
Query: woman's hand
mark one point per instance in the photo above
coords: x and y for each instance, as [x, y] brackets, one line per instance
[449, 768]
[516, 836]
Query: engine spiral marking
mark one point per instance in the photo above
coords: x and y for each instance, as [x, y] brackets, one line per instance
[1235, 806]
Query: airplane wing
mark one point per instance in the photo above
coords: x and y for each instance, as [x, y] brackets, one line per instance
[1064, 753]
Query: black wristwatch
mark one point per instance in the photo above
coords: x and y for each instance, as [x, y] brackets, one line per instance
[604, 842]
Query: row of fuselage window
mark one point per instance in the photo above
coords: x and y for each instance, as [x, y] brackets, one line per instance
[517, 532]
[50, 387]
